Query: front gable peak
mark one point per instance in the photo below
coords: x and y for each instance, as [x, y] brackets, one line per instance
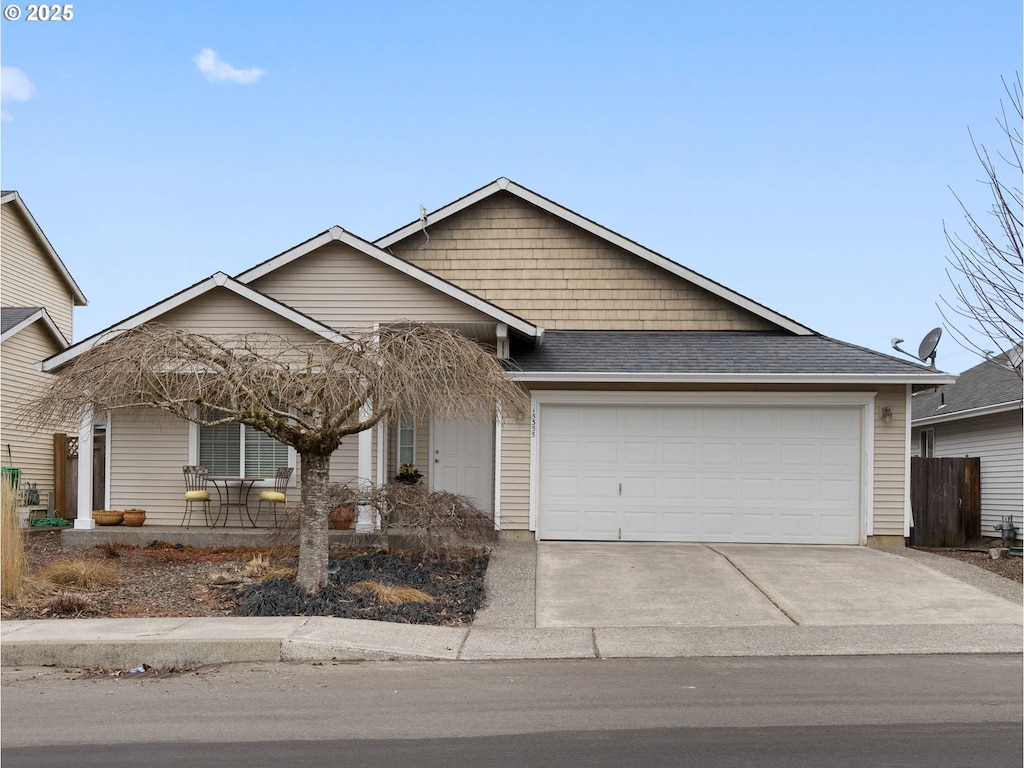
[479, 258]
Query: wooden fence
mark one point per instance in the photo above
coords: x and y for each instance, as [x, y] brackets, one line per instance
[945, 497]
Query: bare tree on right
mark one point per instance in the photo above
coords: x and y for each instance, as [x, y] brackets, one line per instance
[986, 269]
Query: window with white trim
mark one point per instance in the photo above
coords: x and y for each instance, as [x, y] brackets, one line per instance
[406, 438]
[240, 450]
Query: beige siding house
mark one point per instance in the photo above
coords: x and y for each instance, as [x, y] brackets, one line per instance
[38, 297]
[666, 407]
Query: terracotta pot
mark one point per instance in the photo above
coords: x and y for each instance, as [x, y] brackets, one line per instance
[107, 517]
[134, 517]
[343, 517]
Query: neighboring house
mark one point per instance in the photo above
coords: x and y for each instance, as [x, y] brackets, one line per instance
[980, 415]
[666, 407]
[38, 297]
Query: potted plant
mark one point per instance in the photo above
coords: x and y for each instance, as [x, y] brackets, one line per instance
[408, 474]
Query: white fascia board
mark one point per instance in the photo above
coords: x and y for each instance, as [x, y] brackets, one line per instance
[40, 316]
[337, 234]
[973, 413]
[730, 378]
[606, 234]
[217, 280]
[76, 292]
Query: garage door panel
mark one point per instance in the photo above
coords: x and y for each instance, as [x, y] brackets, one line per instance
[599, 487]
[563, 452]
[759, 454]
[709, 473]
[718, 454]
[644, 453]
[717, 525]
[836, 526]
[679, 454]
[714, 489]
[601, 522]
[797, 455]
[595, 452]
[838, 456]
[679, 489]
[758, 490]
[639, 488]
[754, 524]
[640, 524]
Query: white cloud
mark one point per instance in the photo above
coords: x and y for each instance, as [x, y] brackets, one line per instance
[218, 71]
[14, 86]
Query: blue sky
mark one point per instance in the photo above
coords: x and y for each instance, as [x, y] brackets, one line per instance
[801, 153]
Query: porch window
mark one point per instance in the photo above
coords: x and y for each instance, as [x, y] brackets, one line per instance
[238, 449]
[406, 438]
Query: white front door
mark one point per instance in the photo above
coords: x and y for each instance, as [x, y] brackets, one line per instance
[462, 460]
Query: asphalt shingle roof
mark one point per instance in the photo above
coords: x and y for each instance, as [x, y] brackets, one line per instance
[11, 316]
[989, 383]
[703, 353]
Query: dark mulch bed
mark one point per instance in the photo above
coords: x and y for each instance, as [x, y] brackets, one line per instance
[455, 583]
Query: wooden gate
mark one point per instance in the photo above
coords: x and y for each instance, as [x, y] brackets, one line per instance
[65, 473]
[945, 497]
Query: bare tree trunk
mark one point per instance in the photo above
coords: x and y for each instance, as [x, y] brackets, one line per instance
[313, 541]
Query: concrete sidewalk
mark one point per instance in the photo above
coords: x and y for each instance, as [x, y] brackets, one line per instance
[575, 600]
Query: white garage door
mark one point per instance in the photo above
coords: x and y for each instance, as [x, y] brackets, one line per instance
[700, 473]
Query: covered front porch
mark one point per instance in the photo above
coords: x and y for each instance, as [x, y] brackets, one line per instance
[147, 450]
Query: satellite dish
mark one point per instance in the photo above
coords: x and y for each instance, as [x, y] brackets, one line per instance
[926, 350]
[928, 344]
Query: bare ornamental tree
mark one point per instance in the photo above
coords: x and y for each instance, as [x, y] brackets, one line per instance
[308, 393]
[986, 267]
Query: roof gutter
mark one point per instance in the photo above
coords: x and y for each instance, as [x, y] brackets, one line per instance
[970, 413]
[612, 377]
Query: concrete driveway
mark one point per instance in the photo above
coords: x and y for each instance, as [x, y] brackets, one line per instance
[620, 584]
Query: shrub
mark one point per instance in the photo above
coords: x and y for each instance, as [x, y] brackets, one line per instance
[69, 604]
[431, 521]
[84, 574]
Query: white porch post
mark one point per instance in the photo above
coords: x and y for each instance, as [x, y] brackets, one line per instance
[85, 430]
[365, 522]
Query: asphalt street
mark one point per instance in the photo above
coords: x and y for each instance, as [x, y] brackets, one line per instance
[904, 710]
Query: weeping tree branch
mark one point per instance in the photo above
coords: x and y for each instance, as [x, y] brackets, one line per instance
[985, 268]
[304, 391]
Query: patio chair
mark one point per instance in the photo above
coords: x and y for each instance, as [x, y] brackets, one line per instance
[195, 492]
[277, 496]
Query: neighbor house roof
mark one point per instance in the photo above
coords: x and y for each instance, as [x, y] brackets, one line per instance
[217, 280]
[719, 356]
[337, 234]
[13, 198]
[15, 319]
[989, 387]
[506, 185]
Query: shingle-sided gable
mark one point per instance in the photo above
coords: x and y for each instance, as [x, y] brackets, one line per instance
[543, 267]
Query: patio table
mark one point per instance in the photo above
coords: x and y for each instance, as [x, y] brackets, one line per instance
[239, 500]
